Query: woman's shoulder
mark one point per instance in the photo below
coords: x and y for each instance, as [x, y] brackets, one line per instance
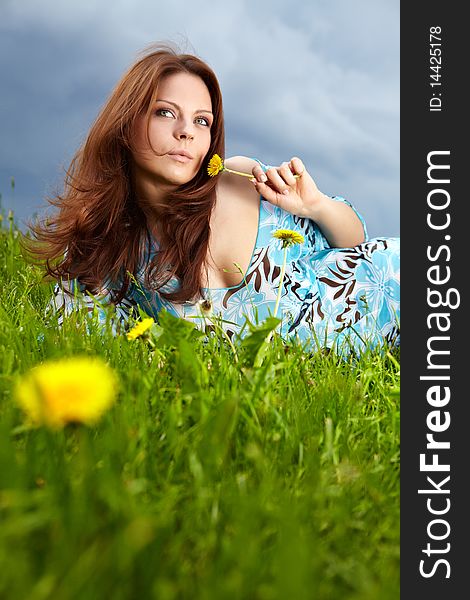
[241, 163]
[236, 187]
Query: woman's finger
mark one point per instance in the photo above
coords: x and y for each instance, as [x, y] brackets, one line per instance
[297, 165]
[276, 181]
[258, 174]
[287, 174]
[267, 192]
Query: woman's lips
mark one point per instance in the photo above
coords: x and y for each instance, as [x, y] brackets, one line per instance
[180, 158]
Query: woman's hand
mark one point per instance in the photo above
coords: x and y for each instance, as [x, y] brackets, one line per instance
[300, 196]
[297, 195]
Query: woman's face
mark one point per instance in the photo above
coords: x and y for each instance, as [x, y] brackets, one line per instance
[181, 120]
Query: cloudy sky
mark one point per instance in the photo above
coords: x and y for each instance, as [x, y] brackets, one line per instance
[318, 79]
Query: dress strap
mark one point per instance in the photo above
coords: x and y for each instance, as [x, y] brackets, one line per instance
[261, 164]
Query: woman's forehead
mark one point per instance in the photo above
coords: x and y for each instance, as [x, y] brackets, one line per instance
[185, 89]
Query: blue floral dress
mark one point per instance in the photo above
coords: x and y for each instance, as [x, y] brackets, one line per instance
[342, 298]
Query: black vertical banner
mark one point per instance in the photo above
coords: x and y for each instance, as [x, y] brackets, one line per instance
[435, 233]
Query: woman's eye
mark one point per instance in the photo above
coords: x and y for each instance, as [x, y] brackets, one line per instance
[159, 111]
[165, 112]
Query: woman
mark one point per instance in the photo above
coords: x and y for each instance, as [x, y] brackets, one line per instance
[141, 223]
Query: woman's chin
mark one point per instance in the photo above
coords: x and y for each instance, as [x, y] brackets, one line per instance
[180, 176]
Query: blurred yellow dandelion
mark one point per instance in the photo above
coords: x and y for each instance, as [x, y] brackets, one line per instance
[140, 328]
[69, 390]
[288, 237]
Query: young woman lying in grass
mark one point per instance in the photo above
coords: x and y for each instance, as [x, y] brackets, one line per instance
[146, 220]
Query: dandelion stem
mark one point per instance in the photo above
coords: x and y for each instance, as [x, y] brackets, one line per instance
[235, 355]
[238, 172]
[260, 356]
[213, 320]
[247, 174]
[283, 270]
[227, 337]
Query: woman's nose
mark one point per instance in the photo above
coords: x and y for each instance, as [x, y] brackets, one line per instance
[184, 131]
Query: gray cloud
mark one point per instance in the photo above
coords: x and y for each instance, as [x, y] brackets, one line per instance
[319, 80]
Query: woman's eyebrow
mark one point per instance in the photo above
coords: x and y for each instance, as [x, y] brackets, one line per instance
[179, 107]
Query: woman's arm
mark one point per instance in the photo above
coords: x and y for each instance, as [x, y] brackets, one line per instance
[338, 222]
[300, 196]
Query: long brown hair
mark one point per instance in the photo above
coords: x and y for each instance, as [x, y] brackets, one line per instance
[99, 233]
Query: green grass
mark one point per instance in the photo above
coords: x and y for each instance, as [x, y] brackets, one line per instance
[208, 479]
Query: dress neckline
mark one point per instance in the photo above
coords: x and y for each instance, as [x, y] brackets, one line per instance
[255, 247]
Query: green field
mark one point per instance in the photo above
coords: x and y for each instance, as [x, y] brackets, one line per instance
[208, 478]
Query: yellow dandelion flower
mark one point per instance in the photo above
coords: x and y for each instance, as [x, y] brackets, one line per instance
[288, 237]
[140, 328]
[216, 165]
[70, 390]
